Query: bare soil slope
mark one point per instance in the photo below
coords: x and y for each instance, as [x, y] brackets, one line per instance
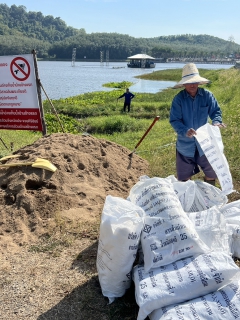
[88, 169]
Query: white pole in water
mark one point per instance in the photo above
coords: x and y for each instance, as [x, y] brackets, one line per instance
[73, 57]
[107, 57]
[101, 58]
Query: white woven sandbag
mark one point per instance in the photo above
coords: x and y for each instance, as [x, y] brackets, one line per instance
[231, 212]
[211, 227]
[223, 304]
[234, 232]
[180, 281]
[236, 242]
[120, 230]
[210, 140]
[196, 195]
[168, 234]
[211, 195]
[186, 192]
[171, 178]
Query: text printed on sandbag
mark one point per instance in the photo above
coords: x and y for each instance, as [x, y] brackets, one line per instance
[187, 268]
[230, 305]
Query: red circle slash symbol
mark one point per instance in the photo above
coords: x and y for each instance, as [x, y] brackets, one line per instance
[20, 68]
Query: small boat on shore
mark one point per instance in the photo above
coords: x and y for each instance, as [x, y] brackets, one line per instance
[141, 61]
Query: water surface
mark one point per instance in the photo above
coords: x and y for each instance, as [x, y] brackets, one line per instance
[61, 80]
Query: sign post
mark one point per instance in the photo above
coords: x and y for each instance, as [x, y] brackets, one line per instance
[38, 83]
[20, 95]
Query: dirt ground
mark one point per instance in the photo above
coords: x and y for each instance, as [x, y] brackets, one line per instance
[88, 169]
[49, 224]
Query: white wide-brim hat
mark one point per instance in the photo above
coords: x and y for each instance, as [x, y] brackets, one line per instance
[190, 74]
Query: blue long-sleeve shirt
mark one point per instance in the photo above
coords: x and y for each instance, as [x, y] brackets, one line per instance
[187, 112]
[128, 96]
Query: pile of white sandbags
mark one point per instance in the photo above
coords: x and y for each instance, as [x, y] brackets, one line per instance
[218, 305]
[120, 230]
[185, 234]
[181, 280]
[231, 212]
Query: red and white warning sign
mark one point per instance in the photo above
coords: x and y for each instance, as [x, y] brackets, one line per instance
[19, 104]
[20, 68]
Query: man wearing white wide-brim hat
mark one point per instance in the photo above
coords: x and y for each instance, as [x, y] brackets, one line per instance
[190, 110]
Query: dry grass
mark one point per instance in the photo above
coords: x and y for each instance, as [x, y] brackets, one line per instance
[56, 279]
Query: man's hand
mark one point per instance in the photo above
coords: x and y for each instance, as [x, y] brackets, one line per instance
[190, 133]
[220, 125]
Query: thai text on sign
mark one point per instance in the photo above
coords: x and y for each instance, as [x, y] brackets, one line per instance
[19, 104]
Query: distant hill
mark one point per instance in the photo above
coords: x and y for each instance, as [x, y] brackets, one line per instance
[21, 31]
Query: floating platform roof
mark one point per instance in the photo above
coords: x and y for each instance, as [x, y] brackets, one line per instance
[141, 56]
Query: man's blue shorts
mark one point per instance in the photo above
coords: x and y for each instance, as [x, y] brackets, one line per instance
[187, 166]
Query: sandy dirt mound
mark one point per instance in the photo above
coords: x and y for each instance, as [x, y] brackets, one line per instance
[88, 169]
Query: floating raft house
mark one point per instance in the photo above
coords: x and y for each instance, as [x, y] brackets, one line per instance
[141, 61]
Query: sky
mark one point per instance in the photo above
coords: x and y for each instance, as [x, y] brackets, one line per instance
[144, 18]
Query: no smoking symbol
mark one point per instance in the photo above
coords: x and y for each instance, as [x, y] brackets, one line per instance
[20, 68]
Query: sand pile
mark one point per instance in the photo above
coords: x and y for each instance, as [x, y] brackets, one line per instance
[88, 169]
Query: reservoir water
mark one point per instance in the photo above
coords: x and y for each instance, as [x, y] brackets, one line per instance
[61, 80]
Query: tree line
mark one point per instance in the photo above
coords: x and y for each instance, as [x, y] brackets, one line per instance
[22, 31]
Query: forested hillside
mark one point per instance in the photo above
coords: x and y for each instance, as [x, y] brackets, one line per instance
[22, 30]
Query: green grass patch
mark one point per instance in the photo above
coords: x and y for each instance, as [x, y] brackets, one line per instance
[118, 85]
[58, 123]
[176, 74]
[12, 140]
[118, 123]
